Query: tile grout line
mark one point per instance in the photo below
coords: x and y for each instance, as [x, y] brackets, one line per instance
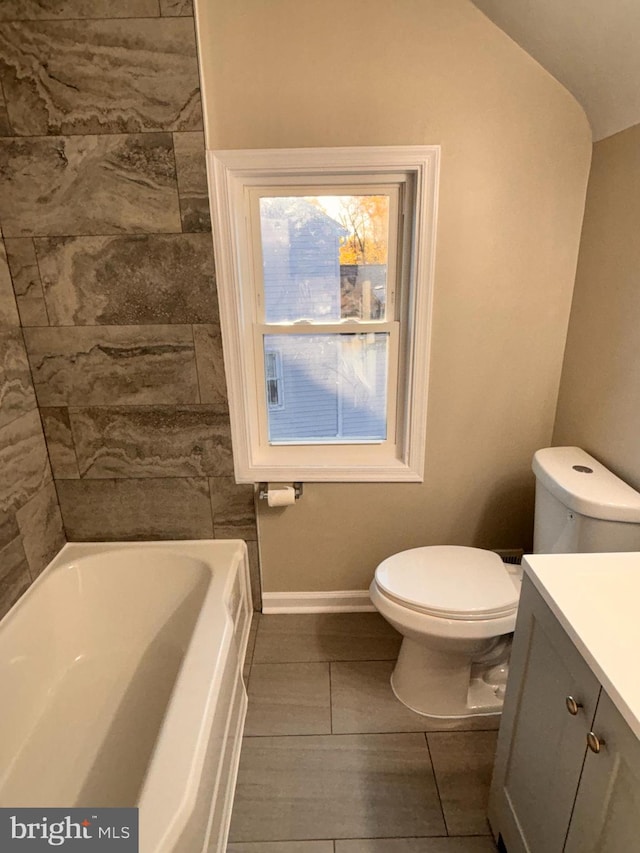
[360, 838]
[195, 362]
[153, 323]
[42, 290]
[330, 700]
[175, 163]
[73, 442]
[87, 19]
[355, 734]
[111, 233]
[435, 780]
[197, 407]
[144, 131]
[378, 732]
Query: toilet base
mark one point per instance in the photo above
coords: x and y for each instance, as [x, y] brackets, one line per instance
[443, 685]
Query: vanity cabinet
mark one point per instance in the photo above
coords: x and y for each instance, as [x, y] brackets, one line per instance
[606, 815]
[550, 791]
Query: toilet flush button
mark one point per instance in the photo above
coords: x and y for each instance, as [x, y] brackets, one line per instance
[583, 469]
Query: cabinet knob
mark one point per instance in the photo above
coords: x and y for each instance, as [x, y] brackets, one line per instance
[572, 706]
[594, 742]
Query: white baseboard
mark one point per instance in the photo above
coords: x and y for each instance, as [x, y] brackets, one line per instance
[345, 601]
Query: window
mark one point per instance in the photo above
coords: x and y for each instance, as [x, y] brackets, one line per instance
[324, 260]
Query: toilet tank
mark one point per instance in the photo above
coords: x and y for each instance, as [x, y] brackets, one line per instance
[581, 506]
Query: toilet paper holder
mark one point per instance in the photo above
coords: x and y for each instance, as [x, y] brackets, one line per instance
[263, 491]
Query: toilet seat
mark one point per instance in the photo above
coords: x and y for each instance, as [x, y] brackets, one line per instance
[450, 582]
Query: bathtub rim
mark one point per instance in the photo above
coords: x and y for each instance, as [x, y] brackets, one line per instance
[89, 549]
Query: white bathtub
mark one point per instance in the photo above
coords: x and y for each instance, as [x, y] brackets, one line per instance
[121, 684]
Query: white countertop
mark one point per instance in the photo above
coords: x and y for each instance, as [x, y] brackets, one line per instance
[596, 598]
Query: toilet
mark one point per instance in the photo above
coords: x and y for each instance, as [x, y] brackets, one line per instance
[456, 606]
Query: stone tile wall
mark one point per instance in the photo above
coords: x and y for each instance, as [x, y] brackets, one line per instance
[30, 524]
[105, 214]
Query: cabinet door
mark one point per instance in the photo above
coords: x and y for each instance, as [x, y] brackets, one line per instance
[541, 746]
[606, 817]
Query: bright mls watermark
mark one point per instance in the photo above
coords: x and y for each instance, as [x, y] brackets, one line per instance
[73, 830]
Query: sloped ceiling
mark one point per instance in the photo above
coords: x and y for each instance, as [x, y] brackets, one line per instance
[591, 46]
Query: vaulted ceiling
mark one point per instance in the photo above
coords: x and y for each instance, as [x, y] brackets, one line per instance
[591, 46]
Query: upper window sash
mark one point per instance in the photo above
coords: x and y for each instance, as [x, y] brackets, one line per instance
[389, 186]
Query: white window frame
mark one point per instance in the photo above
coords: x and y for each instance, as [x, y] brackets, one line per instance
[399, 459]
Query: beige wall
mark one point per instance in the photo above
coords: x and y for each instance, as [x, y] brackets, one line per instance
[599, 403]
[515, 156]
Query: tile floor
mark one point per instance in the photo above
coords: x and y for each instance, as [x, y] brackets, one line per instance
[333, 763]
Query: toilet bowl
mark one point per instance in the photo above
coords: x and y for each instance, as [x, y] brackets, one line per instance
[455, 607]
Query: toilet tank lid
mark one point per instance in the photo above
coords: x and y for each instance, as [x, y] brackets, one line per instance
[595, 492]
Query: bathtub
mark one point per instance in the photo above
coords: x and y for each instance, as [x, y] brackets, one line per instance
[121, 674]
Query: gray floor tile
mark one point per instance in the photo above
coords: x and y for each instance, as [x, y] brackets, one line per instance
[283, 847]
[362, 701]
[463, 763]
[325, 637]
[417, 845]
[289, 699]
[335, 786]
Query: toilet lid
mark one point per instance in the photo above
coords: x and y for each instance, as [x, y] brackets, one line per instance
[450, 581]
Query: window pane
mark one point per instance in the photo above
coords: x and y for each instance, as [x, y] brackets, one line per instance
[324, 257]
[333, 387]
